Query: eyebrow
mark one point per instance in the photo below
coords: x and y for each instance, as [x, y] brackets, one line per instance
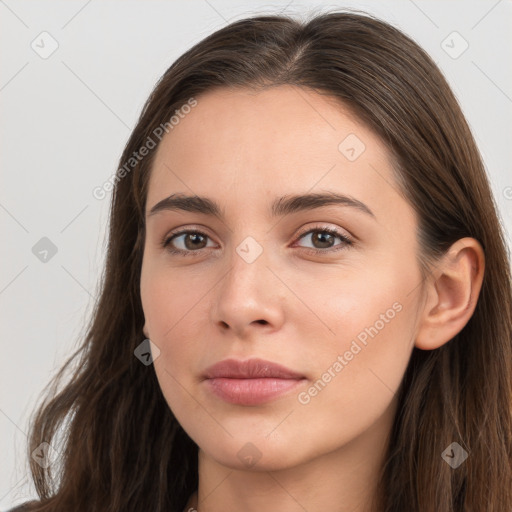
[282, 206]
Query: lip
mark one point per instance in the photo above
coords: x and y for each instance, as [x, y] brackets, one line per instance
[250, 382]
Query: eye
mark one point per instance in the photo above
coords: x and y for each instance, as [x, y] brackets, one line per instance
[324, 238]
[192, 241]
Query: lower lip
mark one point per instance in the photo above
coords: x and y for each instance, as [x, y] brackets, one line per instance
[251, 391]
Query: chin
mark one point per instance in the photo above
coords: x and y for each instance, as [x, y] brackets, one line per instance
[255, 452]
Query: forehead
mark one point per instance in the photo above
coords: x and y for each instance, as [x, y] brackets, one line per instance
[284, 114]
[279, 140]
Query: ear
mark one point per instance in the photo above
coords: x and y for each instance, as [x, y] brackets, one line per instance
[145, 331]
[451, 294]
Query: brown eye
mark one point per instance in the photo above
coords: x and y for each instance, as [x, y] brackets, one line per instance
[186, 242]
[324, 238]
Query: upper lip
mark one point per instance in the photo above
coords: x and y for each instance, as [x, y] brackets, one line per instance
[249, 369]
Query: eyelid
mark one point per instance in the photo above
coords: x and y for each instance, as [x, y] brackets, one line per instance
[184, 230]
[347, 240]
[336, 231]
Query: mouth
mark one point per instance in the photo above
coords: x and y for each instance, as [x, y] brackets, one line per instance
[250, 382]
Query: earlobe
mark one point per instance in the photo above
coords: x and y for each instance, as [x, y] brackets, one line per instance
[145, 331]
[452, 294]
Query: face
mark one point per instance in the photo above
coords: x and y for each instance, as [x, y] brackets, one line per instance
[326, 289]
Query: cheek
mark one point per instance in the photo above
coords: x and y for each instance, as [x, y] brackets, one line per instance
[170, 309]
[167, 301]
[170, 323]
[363, 358]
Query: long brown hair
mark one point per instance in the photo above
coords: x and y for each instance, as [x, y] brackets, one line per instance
[122, 450]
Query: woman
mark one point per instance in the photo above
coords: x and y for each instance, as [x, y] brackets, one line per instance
[307, 298]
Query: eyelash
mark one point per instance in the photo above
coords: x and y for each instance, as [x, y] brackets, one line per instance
[346, 241]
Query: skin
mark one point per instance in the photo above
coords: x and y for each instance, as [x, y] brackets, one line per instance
[243, 149]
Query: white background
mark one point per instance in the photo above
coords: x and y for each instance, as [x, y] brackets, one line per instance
[64, 123]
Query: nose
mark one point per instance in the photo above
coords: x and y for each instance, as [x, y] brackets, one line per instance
[248, 298]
